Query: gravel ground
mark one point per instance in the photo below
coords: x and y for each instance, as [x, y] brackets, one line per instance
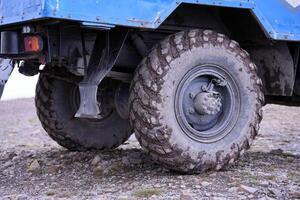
[32, 166]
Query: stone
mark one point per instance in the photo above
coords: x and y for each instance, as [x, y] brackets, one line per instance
[276, 192]
[96, 160]
[15, 158]
[103, 169]
[233, 189]
[185, 195]
[219, 198]
[264, 183]
[205, 183]
[294, 195]
[266, 198]
[22, 197]
[50, 193]
[7, 164]
[182, 186]
[126, 161]
[53, 169]
[248, 189]
[34, 167]
[197, 186]
[277, 151]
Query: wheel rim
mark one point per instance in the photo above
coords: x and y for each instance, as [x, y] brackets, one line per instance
[207, 103]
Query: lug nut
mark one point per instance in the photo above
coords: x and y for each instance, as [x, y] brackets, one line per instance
[191, 110]
[192, 95]
[204, 88]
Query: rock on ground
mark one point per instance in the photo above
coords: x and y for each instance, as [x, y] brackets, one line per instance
[32, 166]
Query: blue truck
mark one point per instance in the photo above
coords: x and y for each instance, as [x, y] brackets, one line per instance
[188, 77]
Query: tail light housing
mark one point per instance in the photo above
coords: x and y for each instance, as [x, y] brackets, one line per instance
[33, 44]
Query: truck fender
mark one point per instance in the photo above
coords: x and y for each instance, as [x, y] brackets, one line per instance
[275, 67]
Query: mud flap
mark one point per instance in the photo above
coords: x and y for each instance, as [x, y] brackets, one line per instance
[6, 67]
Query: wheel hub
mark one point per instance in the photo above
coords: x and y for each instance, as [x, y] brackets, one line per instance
[207, 103]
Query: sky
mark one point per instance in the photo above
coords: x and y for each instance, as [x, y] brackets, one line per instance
[19, 86]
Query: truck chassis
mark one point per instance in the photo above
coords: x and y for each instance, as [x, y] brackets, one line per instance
[189, 78]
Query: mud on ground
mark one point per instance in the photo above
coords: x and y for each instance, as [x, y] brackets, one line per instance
[32, 166]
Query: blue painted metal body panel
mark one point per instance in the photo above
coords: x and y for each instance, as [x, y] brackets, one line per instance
[279, 19]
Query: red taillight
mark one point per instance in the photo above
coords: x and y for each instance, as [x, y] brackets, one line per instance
[33, 43]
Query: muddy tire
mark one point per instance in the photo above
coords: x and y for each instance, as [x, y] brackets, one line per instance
[57, 102]
[164, 110]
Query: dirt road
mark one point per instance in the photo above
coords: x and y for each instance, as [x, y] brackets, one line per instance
[32, 166]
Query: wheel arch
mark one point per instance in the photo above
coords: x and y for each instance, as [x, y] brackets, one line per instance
[229, 20]
[277, 72]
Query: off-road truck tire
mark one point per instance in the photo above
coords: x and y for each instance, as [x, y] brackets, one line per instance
[56, 109]
[156, 117]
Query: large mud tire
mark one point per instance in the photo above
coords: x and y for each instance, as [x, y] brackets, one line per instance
[56, 109]
[152, 101]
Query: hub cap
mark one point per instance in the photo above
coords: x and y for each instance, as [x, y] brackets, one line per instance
[207, 103]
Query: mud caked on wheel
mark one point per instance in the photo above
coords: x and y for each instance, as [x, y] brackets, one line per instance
[195, 101]
[57, 102]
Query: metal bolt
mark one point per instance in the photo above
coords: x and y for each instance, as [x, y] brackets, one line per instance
[191, 110]
[192, 95]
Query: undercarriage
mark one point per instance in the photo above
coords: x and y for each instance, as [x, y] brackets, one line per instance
[192, 96]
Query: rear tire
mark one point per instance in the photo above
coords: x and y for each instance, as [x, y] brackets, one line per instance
[156, 115]
[57, 102]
